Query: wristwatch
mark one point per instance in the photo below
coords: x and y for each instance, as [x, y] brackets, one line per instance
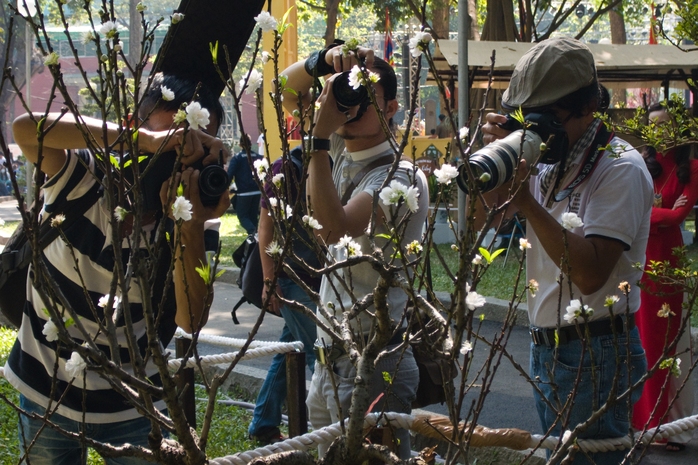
[315, 64]
[317, 144]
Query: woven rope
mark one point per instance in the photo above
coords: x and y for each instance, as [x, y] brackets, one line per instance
[279, 348]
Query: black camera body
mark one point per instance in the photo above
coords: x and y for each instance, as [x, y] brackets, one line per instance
[497, 161]
[348, 97]
[213, 179]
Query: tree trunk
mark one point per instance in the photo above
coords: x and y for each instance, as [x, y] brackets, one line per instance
[135, 34]
[331, 29]
[474, 33]
[500, 24]
[618, 36]
[440, 19]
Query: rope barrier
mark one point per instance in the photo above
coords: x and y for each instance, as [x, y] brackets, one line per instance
[278, 348]
[225, 341]
[401, 420]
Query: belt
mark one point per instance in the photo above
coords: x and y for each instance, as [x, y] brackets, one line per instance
[565, 334]
[328, 355]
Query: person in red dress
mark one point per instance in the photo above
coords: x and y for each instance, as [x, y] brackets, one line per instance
[676, 191]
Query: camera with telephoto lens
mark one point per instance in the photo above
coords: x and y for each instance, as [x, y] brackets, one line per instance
[213, 179]
[495, 163]
[348, 97]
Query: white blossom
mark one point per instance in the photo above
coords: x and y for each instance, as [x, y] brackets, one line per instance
[266, 21]
[414, 248]
[396, 191]
[120, 214]
[117, 47]
[576, 310]
[262, 166]
[50, 331]
[446, 173]
[254, 82]
[57, 220]
[177, 17]
[353, 248]
[477, 259]
[181, 209]
[51, 59]
[473, 300]
[524, 244]
[108, 29]
[167, 93]
[104, 300]
[463, 132]
[273, 202]
[197, 116]
[665, 311]
[418, 42]
[75, 366]
[311, 222]
[355, 77]
[289, 212]
[611, 300]
[273, 249]
[87, 37]
[466, 347]
[570, 221]
[533, 287]
[277, 179]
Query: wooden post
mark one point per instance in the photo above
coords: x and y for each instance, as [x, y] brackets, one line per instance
[295, 397]
[185, 382]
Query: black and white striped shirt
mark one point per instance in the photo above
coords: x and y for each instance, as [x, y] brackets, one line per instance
[32, 361]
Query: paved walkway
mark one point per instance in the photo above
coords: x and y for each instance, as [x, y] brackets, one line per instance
[508, 404]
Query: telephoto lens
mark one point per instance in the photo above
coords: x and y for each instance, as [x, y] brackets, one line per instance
[345, 95]
[494, 164]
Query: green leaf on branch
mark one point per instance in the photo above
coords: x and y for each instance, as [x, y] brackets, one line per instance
[490, 256]
[214, 51]
[387, 378]
[284, 22]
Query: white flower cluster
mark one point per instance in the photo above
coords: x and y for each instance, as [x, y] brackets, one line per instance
[254, 82]
[576, 310]
[51, 59]
[167, 93]
[262, 167]
[356, 77]
[76, 365]
[197, 116]
[570, 221]
[419, 42]
[524, 244]
[181, 209]
[108, 30]
[446, 173]
[353, 249]
[266, 21]
[473, 300]
[396, 192]
[311, 222]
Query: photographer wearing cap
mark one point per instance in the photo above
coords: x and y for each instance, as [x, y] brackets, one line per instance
[341, 198]
[603, 181]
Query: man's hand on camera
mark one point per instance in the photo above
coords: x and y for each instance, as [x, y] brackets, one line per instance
[345, 62]
[189, 180]
[328, 118]
[195, 144]
[491, 130]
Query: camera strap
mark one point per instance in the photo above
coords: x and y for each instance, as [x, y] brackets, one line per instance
[590, 161]
[384, 160]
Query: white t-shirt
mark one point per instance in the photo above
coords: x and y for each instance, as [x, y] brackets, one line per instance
[362, 278]
[615, 201]
[260, 144]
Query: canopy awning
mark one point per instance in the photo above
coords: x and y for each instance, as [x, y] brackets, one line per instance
[618, 66]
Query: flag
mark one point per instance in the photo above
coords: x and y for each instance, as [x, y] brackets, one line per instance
[388, 47]
[653, 25]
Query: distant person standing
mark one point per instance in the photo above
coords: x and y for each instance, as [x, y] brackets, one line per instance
[260, 144]
[443, 129]
[247, 195]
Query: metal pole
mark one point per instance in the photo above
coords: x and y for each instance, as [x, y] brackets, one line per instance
[29, 167]
[463, 92]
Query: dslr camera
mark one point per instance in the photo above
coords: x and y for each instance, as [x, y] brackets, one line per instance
[213, 179]
[495, 164]
[347, 97]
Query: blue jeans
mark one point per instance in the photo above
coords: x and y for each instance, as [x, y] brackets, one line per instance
[297, 327]
[53, 448]
[593, 388]
[247, 210]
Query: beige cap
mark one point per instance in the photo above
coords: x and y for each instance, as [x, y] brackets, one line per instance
[549, 71]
